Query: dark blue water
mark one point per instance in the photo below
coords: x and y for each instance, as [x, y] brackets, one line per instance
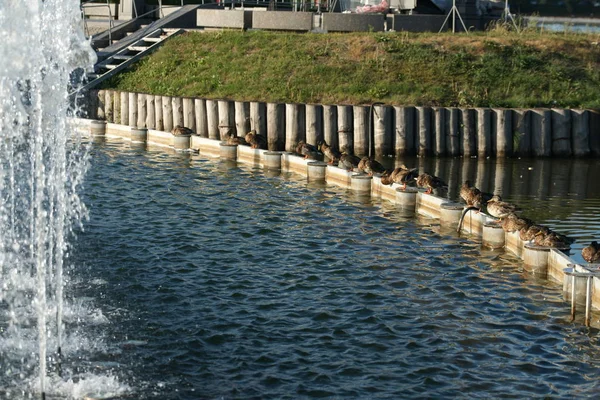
[218, 281]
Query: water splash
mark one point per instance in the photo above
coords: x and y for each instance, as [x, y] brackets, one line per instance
[42, 165]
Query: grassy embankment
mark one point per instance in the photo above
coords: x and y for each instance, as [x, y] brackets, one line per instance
[496, 68]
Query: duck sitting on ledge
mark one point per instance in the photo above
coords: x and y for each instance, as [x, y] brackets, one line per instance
[430, 182]
[370, 166]
[473, 197]
[591, 253]
[307, 150]
[332, 154]
[498, 208]
[233, 139]
[551, 239]
[528, 233]
[348, 161]
[179, 130]
[513, 223]
[401, 175]
[255, 140]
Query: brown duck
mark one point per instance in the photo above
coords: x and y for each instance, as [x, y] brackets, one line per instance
[528, 233]
[332, 154]
[498, 208]
[551, 239]
[370, 166]
[472, 196]
[307, 150]
[430, 182]
[591, 253]
[255, 140]
[401, 175]
[348, 161]
[513, 223]
[179, 130]
[236, 140]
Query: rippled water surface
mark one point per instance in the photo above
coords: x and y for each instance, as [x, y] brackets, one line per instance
[218, 281]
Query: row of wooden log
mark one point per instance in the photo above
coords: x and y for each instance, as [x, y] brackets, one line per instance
[376, 129]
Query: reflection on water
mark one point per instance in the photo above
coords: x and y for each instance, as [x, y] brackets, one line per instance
[220, 282]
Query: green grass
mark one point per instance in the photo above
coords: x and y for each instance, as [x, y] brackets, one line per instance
[488, 69]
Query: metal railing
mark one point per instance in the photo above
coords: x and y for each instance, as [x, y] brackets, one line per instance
[93, 4]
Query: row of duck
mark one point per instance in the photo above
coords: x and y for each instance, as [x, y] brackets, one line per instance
[507, 214]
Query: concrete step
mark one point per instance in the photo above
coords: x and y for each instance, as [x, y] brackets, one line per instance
[138, 48]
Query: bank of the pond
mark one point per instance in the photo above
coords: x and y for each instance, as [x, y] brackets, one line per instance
[487, 69]
[580, 282]
[378, 129]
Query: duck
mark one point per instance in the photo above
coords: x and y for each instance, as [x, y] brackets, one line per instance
[591, 253]
[401, 175]
[551, 239]
[528, 233]
[370, 166]
[307, 150]
[430, 182]
[473, 197]
[255, 140]
[332, 154]
[179, 130]
[236, 140]
[498, 208]
[348, 161]
[513, 223]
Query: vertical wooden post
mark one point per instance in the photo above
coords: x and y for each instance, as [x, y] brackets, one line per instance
[439, 131]
[468, 132]
[258, 118]
[361, 130]
[382, 130]
[124, 108]
[276, 126]
[226, 119]
[561, 133]
[109, 106]
[177, 105]
[314, 124]
[212, 118]
[150, 112]
[158, 114]
[101, 109]
[522, 132]
[189, 120]
[405, 130]
[242, 117]
[541, 128]
[167, 104]
[201, 118]
[424, 131]
[330, 126]
[504, 132]
[453, 132]
[294, 125]
[345, 131]
[484, 136]
[133, 109]
[580, 132]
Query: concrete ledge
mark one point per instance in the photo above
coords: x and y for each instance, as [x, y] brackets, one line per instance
[430, 205]
[339, 176]
[336, 22]
[206, 146]
[239, 19]
[248, 155]
[557, 262]
[160, 138]
[117, 130]
[283, 21]
[293, 163]
[473, 222]
[387, 192]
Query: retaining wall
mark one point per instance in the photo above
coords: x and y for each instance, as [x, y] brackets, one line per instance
[553, 264]
[394, 130]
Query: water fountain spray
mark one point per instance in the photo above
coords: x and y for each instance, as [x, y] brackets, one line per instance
[41, 168]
